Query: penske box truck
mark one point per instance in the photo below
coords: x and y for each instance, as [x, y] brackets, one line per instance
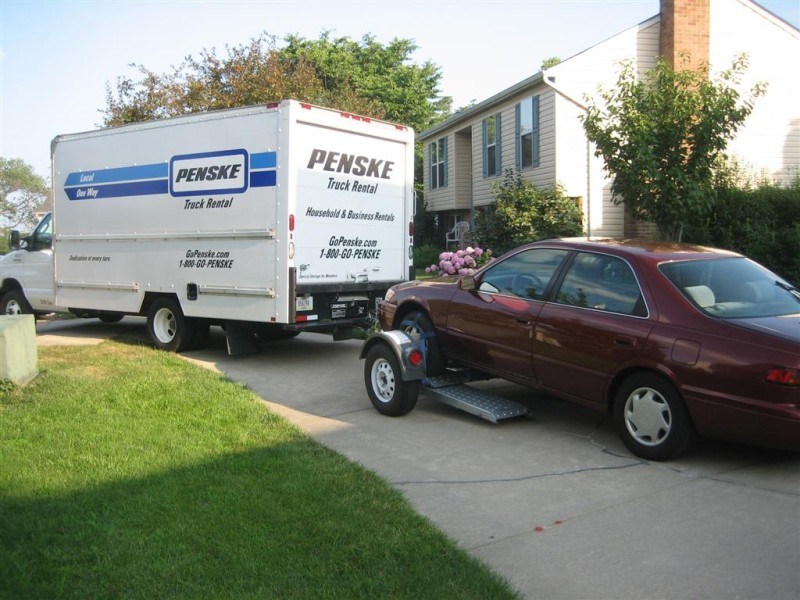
[272, 219]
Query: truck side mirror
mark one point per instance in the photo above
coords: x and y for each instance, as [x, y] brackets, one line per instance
[14, 241]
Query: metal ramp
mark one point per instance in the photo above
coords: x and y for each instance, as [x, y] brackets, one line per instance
[451, 389]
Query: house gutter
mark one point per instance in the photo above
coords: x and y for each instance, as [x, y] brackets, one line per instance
[549, 80]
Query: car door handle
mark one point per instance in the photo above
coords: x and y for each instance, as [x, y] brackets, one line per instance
[523, 321]
[625, 340]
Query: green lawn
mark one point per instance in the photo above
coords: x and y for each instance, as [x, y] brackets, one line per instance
[127, 472]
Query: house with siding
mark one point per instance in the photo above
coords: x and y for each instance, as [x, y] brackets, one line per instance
[534, 127]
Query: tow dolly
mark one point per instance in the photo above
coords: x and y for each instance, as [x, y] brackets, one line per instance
[394, 372]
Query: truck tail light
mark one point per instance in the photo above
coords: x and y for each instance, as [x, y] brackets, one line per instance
[291, 222]
[784, 376]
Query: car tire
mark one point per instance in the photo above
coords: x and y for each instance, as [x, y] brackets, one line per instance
[14, 302]
[387, 391]
[419, 327]
[651, 418]
[169, 329]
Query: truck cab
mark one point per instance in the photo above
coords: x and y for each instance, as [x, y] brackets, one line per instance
[26, 273]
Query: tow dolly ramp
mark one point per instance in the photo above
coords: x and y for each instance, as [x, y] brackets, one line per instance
[451, 389]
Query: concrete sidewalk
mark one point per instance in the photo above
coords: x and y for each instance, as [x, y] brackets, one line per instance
[554, 503]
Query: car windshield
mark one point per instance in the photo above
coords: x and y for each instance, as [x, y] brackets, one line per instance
[733, 288]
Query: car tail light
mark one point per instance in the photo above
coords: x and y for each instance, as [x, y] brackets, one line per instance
[784, 376]
[415, 358]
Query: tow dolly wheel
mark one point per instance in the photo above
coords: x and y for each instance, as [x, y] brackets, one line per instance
[387, 391]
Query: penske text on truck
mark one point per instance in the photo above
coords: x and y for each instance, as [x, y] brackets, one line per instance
[272, 219]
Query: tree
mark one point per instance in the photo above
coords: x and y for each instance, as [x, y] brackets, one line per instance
[23, 193]
[407, 93]
[363, 77]
[661, 136]
[550, 62]
[522, 213]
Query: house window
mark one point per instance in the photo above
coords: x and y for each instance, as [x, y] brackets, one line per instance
[438, 163]
[491, 146]
[527, 113]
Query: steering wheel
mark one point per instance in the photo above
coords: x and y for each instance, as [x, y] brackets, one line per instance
[526, 285]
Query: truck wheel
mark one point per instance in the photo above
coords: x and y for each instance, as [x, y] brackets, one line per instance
[15, 303]
[387, 391]
[419, 327]
[651, 418]
[167, 326]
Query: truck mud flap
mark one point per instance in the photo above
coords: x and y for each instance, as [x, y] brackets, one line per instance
[240, 338]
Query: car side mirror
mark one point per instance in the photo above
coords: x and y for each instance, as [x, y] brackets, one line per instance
[14, 240]
[466, 282]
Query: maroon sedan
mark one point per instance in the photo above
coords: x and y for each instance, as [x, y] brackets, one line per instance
[673, 340]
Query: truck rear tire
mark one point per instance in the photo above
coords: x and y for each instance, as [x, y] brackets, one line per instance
[15, 303]
[169, 329]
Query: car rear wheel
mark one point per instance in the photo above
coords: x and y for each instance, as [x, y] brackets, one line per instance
[419, 327]
[387, 391]
[651, 418]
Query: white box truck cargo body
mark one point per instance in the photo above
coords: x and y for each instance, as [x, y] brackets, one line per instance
[284, 217]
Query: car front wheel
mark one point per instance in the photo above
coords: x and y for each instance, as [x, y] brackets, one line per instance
[651, 418]
[419, 327]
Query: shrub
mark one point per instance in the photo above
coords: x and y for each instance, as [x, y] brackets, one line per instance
[460, 262]
[762, 222]
[425, 255]
[521, 213]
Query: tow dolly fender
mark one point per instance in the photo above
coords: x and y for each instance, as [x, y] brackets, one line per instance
[403, 346]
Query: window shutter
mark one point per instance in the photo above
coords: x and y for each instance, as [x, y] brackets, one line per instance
[485, 152]
[517, 130]
[498, 144]
[446, 160]
[535, 132]
[430, 167]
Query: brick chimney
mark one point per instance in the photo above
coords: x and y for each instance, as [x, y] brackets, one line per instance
[685, 28]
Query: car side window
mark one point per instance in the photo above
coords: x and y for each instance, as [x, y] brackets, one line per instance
[602, 282]
[525, 274]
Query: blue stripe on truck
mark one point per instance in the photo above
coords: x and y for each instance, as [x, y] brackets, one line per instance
[146, 180]
[156, 171]
[118, 190]
[264, 160]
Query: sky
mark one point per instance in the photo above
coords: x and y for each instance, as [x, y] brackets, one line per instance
[58, 56]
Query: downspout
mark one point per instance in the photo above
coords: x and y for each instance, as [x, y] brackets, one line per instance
[550, 81]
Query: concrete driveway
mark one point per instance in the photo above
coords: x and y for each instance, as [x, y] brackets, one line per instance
[555, 503]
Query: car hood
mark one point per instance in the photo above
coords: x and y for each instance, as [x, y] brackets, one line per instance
[786, 327]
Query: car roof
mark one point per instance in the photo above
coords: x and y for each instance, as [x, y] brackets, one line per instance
[647, 250]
